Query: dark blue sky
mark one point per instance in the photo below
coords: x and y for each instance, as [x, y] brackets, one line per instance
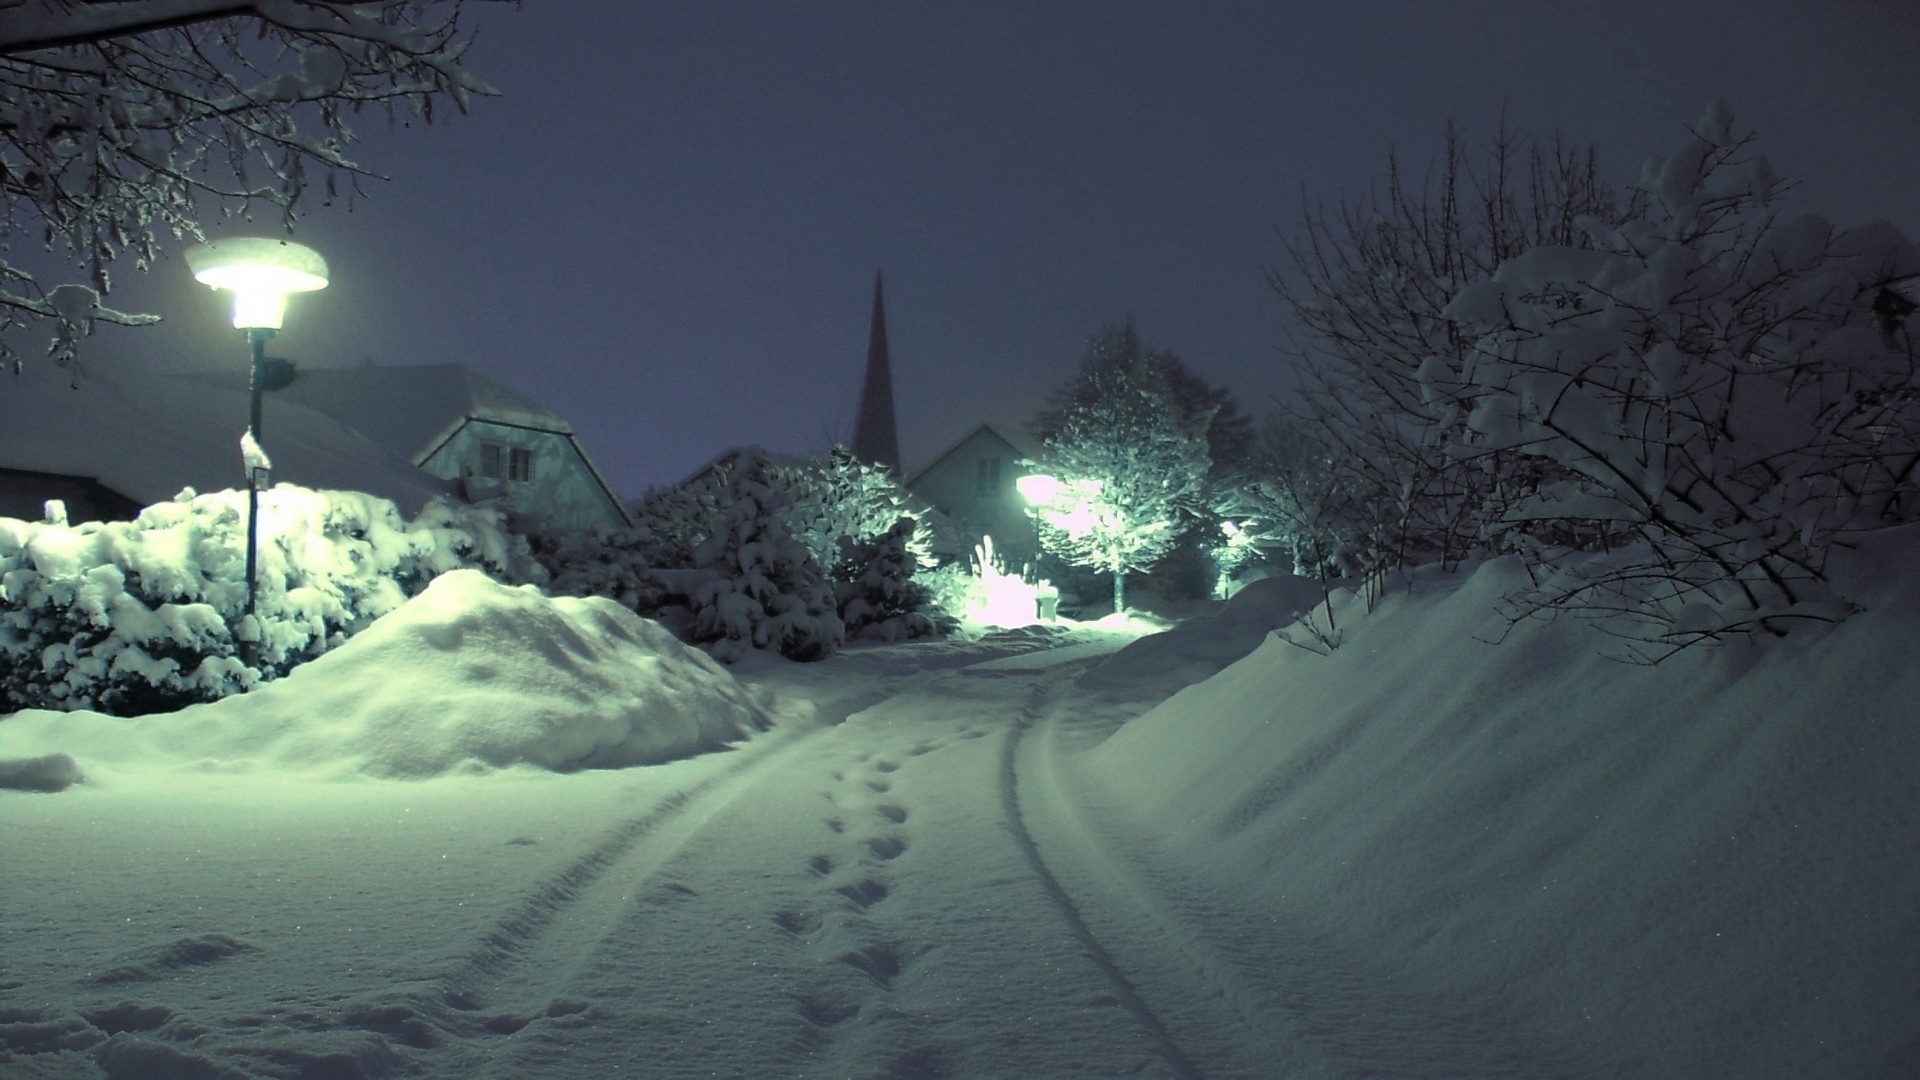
[667, 226]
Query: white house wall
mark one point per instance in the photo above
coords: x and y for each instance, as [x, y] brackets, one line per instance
[561, 485]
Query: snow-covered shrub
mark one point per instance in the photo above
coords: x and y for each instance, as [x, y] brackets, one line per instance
[142, 616]
[602, 561]
[1718, 398]
[673, 522]
[760, 588]
[821, 504]
[1375, 485]
[840, 498]
[952, 589]
[875, 591]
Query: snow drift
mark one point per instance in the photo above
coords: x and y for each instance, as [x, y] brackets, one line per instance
[1717, 853]
[468, 674]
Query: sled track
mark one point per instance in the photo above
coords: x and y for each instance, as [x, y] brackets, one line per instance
[1124, 991]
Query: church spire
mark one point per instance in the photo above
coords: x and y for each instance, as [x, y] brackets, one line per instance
[876, 436]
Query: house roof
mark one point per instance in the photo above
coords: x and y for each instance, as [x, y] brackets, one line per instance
[1017, 441]
[147, 436]
[409, 410]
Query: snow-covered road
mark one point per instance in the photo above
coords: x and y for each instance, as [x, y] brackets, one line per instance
[879, 886]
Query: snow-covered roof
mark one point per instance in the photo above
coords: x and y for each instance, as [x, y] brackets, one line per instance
[1022, 443]
[147, 435]
[409, 410]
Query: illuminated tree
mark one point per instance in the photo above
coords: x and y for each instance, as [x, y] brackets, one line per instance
[1132, 470]
[122, 123]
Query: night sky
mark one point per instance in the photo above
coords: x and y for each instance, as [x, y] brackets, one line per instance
[667, 227]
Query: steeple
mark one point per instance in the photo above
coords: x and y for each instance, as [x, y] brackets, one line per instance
[876, 437]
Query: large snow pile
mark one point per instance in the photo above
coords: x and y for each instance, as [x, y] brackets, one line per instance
[1718, 853]
[468, 674]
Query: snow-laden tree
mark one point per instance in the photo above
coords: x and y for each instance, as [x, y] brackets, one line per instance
[1133, 469]
[758, 587]
[840, 498]
[1231, 435]
[874, 587]
[1369, 283]
[124, 123]
[1716, 396]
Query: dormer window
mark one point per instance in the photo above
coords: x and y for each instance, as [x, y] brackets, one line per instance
[520, 464]
[492, 456]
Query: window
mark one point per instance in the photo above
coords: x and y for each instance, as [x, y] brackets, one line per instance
[986, 476]
[490, 461]
[520, 464]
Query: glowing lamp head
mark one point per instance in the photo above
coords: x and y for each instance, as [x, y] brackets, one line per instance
[260, 272]
[1038, 488]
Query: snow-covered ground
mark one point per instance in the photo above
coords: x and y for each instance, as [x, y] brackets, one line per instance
[1421, 856]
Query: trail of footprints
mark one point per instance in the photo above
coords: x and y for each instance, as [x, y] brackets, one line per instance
[870, 823]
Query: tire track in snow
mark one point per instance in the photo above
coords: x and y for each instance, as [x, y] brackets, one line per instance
[1124, 990]
[1302, 1005]
[465, 1000]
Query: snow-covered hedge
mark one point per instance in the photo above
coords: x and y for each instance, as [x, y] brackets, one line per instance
[141, 616]
[761, 553]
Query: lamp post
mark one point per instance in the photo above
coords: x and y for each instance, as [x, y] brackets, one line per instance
[261, 273]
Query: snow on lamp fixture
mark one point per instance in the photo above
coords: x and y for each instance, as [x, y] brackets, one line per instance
[261, 273]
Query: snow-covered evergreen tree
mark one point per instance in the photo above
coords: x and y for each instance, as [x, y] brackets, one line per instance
[877, 596]
[605, 560]
[760, 587]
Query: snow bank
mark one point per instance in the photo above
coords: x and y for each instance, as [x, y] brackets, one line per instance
[470, 673]
[1155, 666]
[1719, 852]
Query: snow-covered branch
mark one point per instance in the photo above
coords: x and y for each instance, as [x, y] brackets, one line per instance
[123, 125]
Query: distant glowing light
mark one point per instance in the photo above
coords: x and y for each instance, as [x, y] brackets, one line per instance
[261, 273]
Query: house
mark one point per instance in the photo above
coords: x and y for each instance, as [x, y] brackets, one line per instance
[971, 484]
[490, 442]
[110, 440]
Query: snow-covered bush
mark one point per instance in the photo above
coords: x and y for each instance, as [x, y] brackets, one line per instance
[952, 589]
[841, 498]
[759, 588]
[1670, 405]
[1718, 398]
[1377, 487]
[142, 616]
[602, 561]
[665, 566]
[874, 589]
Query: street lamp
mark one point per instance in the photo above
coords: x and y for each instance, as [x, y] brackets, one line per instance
[261, 273]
